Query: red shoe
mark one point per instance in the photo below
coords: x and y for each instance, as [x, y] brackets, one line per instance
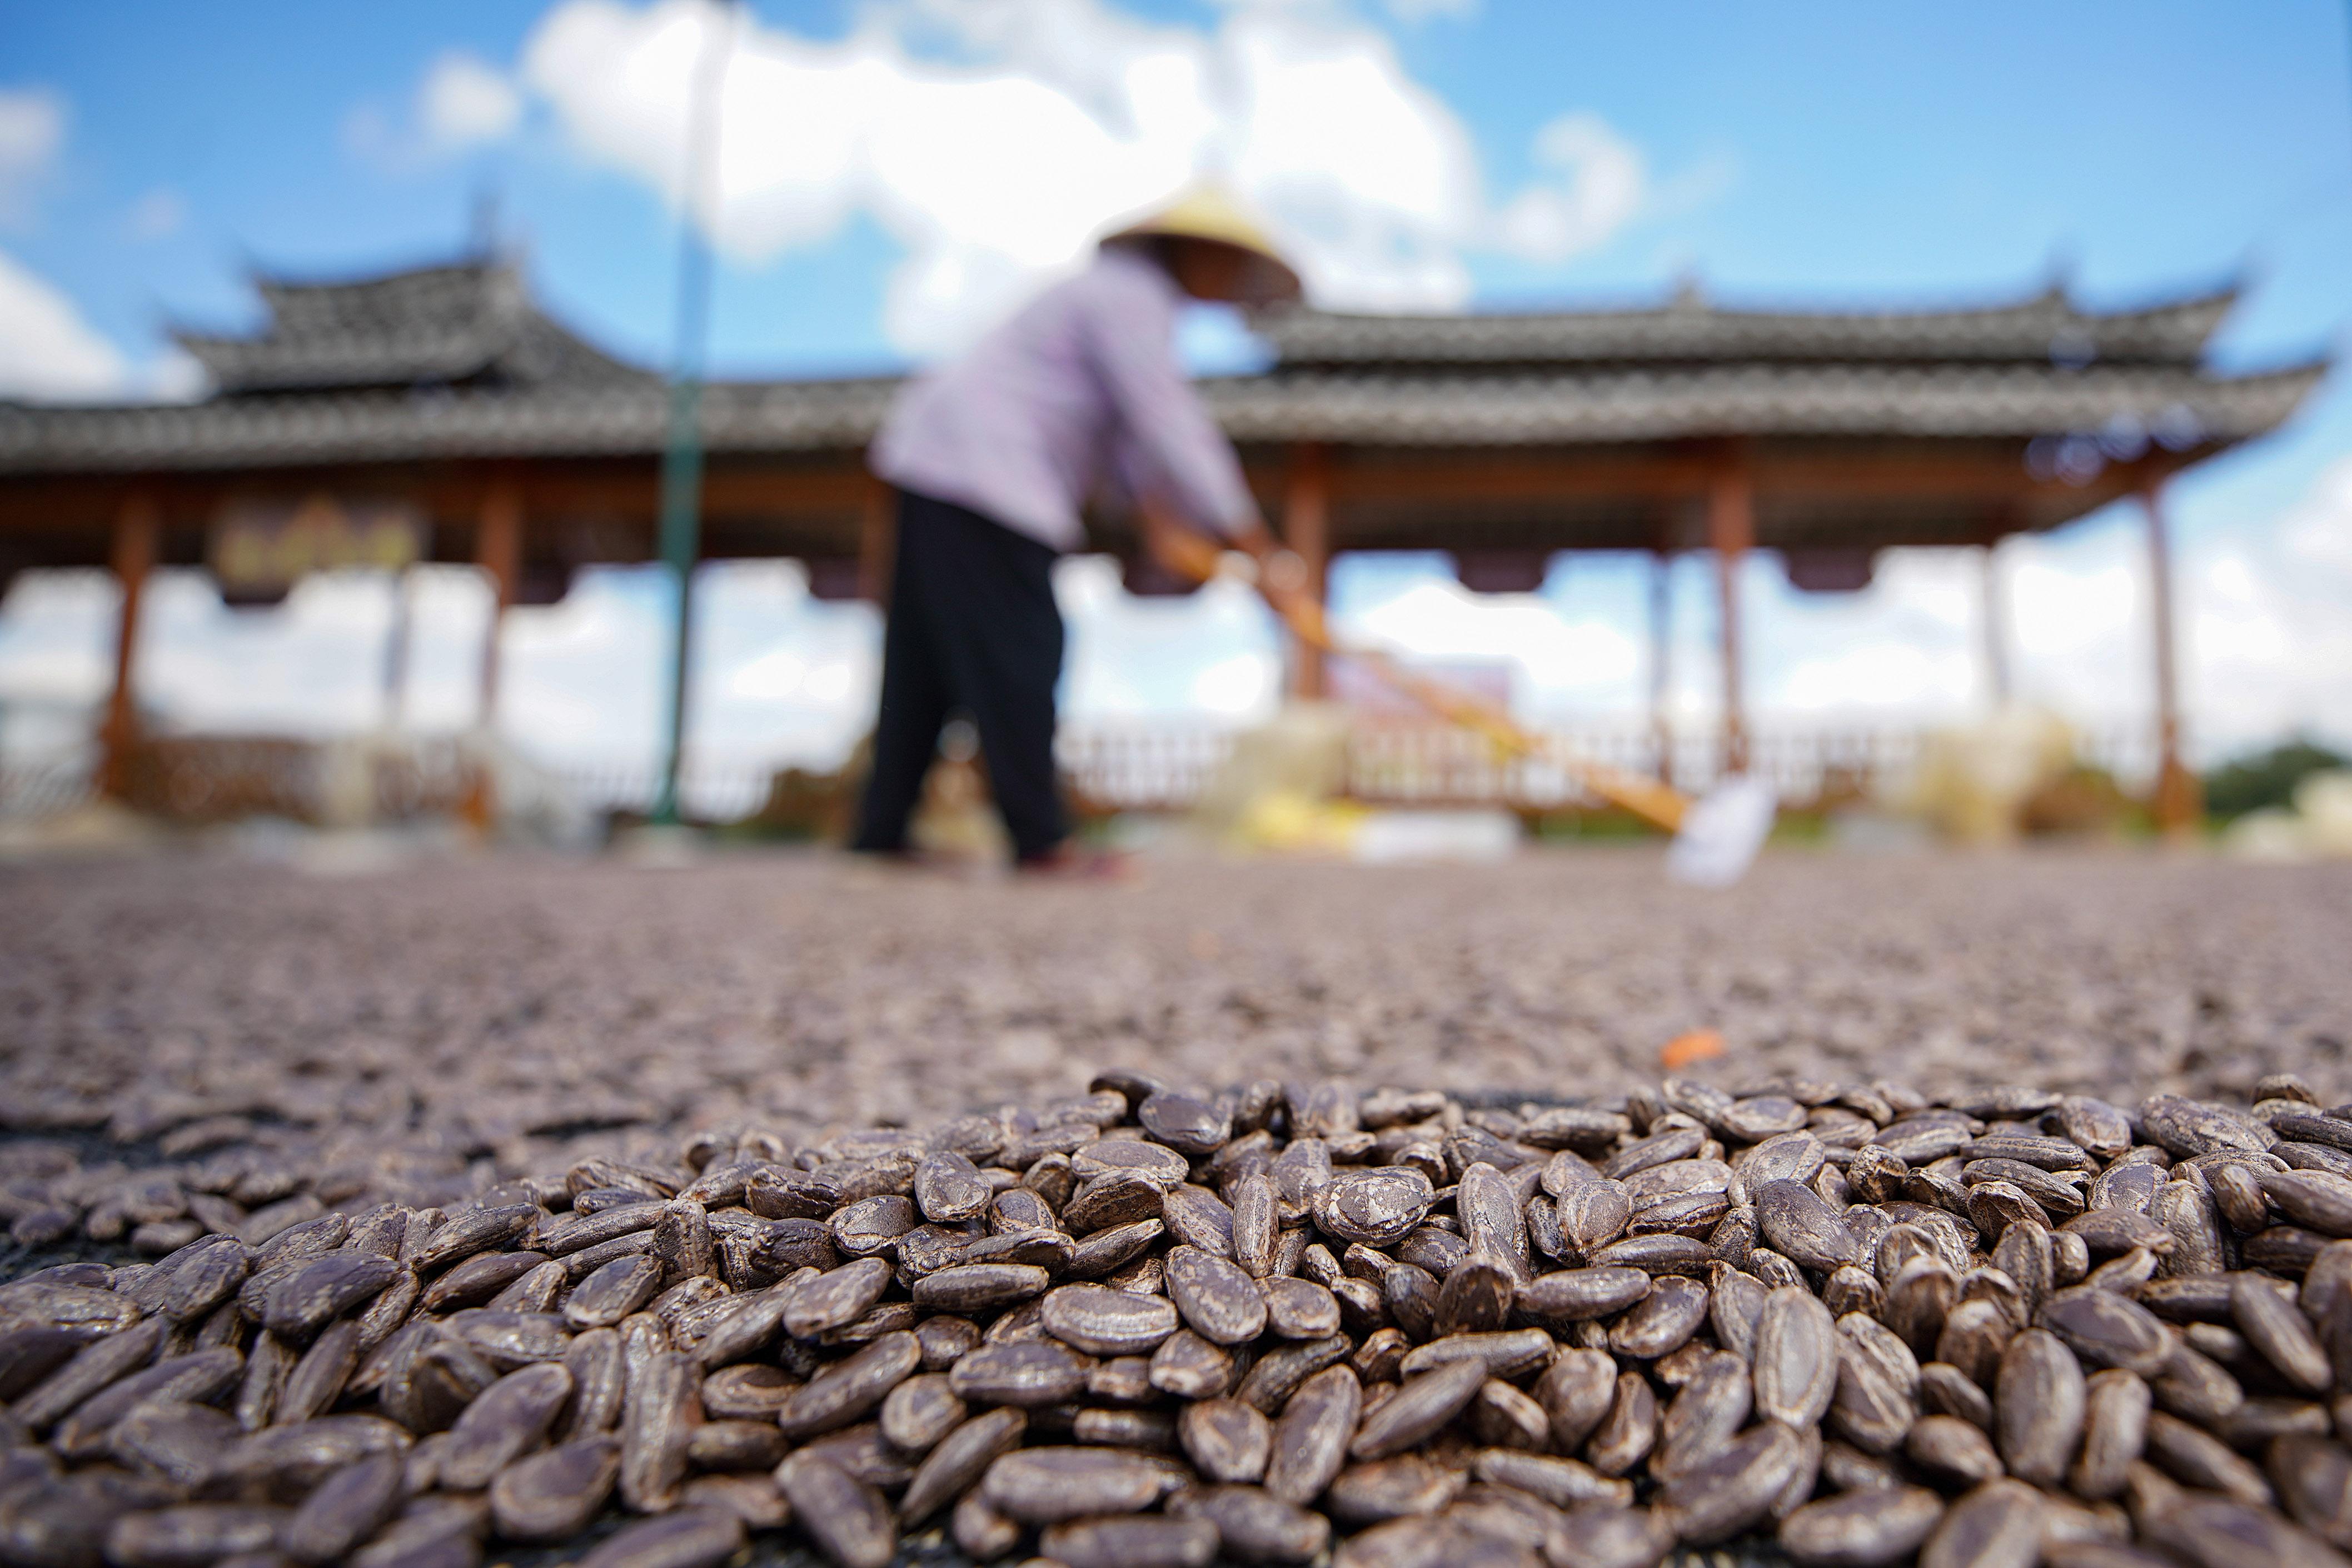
[1070, 862]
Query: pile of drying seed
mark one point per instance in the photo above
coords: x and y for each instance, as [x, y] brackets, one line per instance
[1150, 1329]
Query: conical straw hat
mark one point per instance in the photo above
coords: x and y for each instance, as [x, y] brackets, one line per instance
[1207, 213]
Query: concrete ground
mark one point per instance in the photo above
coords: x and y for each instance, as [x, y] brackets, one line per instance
[422, 1026]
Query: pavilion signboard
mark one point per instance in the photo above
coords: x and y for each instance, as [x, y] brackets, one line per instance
[261, 545]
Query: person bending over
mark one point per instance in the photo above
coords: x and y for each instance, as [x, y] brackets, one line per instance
[994, 455]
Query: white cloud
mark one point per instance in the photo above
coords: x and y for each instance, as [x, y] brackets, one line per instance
[158, 214]
[993, 139]
[1601, 182]
[464, 103]
[47, 350]
[1557, 661]
[32, 134]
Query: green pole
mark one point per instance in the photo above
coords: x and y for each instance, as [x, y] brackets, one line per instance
[681, 473]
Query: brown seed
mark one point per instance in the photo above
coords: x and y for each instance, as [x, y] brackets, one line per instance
[979, 1287]
[949, 1188]
[2105, 1330]
[2277, 1329]
[1153, 1540]
[1301, 1309]
[1733, 1488]
[613, 1292]
[1390, 1489]
[1948, 1446]
[1048, 1485]
[1706, 1414]
[735, 1445]
[1998, 1525]
[1860, 1530]
[690, 1538]
[1113, 1247]
[344, 1509]
[2193, 1387]
[2216, 1533]
[1869, 1408]
[656, 1418]
[847, 1390]
[1255, 1214]
[1190, 1367]
[1029, 1374]
[593, 1359]
[1183, 1123]
[1217, 1301]
[1254, 1526]
[979, 1531]
[1576, 1391]
[1796, 1358]
[1799, 1224]
[1227, 1441]
[1604, 1536]
[191, 1534]
[957, 1460]
[1563, 1483]
[837, 1298]
[1510, 1354]
[1105, 1321]
[1375, 1207]
[1663, 1320]
[1945, 1390]
[921, 1411]
[508, 1420]
[2197, 1459]
[2038, 1408]
[2314, 1478]
[1629, 1431]
[846, 1517]
[1422, 1406]
[1310, 1441]
[318, 1379]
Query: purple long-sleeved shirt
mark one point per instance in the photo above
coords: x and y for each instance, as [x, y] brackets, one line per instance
[1080, 388]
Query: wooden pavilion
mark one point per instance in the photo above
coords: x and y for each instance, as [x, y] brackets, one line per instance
[439, 414]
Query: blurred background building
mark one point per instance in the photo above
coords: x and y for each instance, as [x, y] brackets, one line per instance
[383, 528]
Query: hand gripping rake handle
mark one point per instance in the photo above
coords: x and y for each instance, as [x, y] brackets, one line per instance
[1193, 556]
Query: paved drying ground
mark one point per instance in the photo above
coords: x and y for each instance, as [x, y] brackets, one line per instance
[418, 1029]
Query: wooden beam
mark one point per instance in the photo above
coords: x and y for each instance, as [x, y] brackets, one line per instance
[2179, 801]
[138, 532]
[497, 550]
[1731, 532]
[1306, 529]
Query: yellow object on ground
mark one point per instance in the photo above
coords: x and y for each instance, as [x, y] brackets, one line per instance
[1971, 784]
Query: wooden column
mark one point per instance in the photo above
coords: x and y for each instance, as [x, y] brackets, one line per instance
[878, 540]
[1306, 529]
[497, 550]
[1731, 531]
[1993, 627]
[1662, 665]
[138, 530]
[2179, 797]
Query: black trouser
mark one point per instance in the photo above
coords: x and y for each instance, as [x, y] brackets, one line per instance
[973, 625]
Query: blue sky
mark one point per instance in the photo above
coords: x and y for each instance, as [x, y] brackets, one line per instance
[1792, 153]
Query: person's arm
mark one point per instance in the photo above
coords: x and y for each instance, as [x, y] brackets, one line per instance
[1172, 452]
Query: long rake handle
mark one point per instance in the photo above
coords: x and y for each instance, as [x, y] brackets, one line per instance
[1186, 552]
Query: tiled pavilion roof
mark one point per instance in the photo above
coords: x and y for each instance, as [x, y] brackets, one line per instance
[456, 362]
